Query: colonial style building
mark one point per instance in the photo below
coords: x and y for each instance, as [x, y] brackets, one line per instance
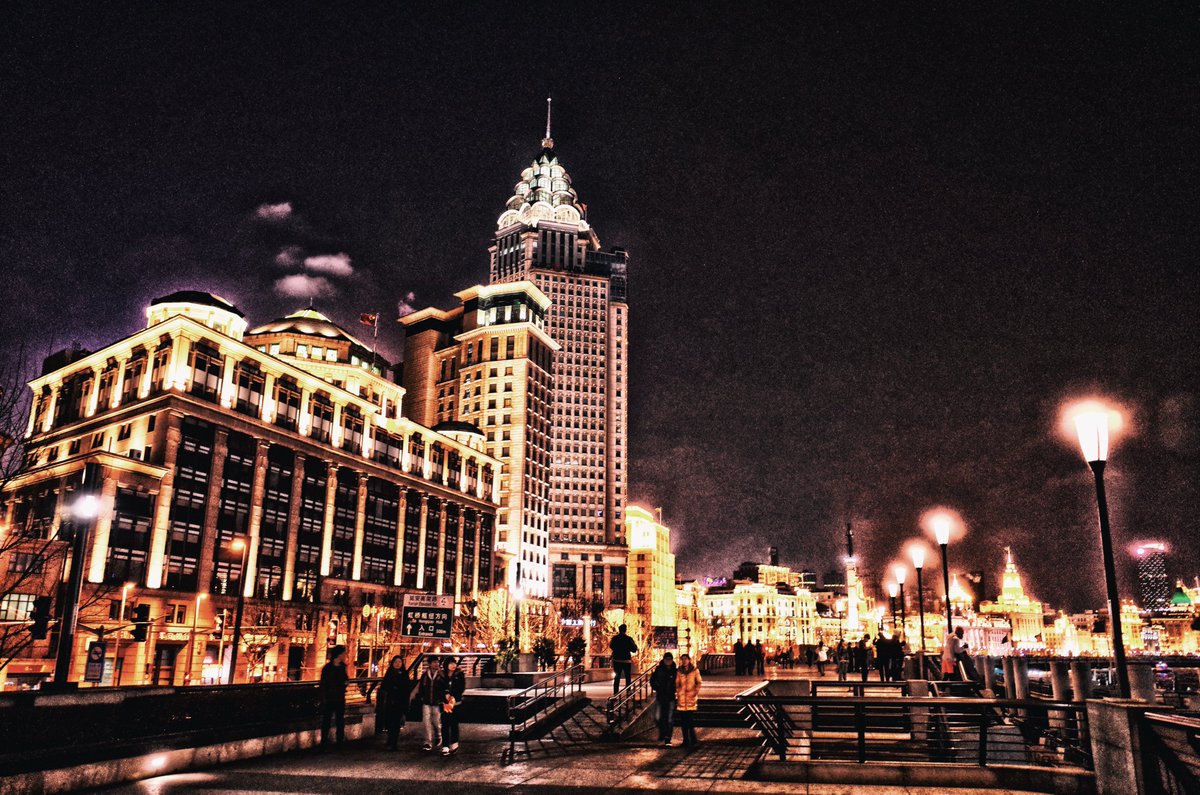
[286, 441]
[543, 236]
[488, 363]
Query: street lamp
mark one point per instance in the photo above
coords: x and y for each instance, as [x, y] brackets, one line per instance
[200, 597]
[1092, 423]
[238, 545]
[941, 530]
[917, 552]
[840, 606]
[517, 596]
[893, 589]
[901, 573]
[84, 511]
[117, 667]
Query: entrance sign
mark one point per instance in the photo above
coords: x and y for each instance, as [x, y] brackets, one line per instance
[666, 638]
[426, 616]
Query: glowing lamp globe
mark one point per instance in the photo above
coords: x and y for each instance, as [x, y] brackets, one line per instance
[941, 529]
[900, 572]
[893, 590]
[917, 553]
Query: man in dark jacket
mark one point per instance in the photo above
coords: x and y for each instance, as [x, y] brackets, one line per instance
[333, 694]
[623, 648]
[662, 682]
[739, 658]
[431, 695]
[392, 700]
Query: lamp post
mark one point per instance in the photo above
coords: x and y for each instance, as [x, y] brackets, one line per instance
[840, 606]
[901, 574]
[918, 558]
[125, 589]
[1092, 425]
[239, 544]
[941, 529]
[517, 596]
[893, 589]
[200, 597]
[84, 511]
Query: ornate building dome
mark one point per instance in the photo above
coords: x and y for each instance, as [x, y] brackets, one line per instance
[544, 191]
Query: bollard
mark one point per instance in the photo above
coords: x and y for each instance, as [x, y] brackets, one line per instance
[1060, 690]
[1141, 682]
[1081, 680]
[1010, 687]
[1021, 678]
[987, 664]
[912, 667]
[919, 688]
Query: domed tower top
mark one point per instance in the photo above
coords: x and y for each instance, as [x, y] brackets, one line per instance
[544, 192]
[207, 308]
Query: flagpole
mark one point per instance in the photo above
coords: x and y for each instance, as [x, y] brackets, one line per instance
[374, 339]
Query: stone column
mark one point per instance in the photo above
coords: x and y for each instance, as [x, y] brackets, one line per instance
[103, 529]
[212, 509]
[327, 530]
[479, 561]
[1020, 678]
[60, 507]
[1010, 687]
[1141, 682]
[421, 541]
[48, 422]
[458, 560]
[1081, 680]
[398, 574]
[162, 507]
[257, 493]
[295, 498]
[1060, 690]
[115, 399]
[441, 551]
[360, 520]
[1116, 739]
[988, 664]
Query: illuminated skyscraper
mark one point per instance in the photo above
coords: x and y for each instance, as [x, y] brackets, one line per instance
[543, 237]
[1153, 585]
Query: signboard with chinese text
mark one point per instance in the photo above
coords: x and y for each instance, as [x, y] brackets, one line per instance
[427, 616]
[666, 638]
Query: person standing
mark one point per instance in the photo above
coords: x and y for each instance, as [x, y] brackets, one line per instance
[687, 695]
[760, 660]
[739, 658]
[333, 695]
[822, 657]
[840, 657]
[394, 692]
[662, 682]
[431, 694]
[951, 648]
[456, 685]
[862, 657]
[623, 648]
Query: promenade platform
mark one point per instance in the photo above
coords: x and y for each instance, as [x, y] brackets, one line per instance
[717, 765]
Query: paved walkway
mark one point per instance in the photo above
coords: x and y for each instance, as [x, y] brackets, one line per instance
[717, 765]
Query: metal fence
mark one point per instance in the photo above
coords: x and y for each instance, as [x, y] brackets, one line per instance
[1171, 746]
[966, 731]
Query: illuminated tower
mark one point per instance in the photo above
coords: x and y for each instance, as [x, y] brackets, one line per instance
[543, 237]
[1153, 585]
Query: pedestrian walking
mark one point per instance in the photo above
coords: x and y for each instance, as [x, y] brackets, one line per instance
[662, 682]
[333, 695]
[841, 656]
[392, 699]
[456, 685]
[822, 657]
[862, 657]
[759, 658]
[687, 695]
[623, 648]
[951, 649]
[739, 658]
[431, 695]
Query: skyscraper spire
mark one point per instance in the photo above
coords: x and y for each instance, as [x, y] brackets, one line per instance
[548, 142]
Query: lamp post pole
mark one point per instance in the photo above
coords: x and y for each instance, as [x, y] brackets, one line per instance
[237, 616]
[117, 636]
[1110, 581]
[192, 641]
[921, 608]
[1092, 424]
[946, 585]
[903, 612]
[83, 513]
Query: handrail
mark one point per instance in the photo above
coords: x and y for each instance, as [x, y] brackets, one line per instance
[620, 706]
[543, 694]
[887, 729]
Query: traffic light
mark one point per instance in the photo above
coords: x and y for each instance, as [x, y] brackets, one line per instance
[40, 615]
[141, 623]
[218, 625]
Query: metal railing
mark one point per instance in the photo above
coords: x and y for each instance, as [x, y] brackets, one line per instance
[964, 731]
[858, 688]
[537, 701]
[1171, 746]
[712, 663]
[629, 702]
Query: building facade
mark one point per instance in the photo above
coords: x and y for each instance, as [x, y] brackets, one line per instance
[488, 364]
[1154, 587]
[651, 568]
[1024, 614]
[543, 236]
[287, 440]
[752, 612]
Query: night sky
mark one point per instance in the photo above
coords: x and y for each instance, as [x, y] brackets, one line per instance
[869, 256]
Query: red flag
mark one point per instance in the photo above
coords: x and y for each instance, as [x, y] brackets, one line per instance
[369, 318]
